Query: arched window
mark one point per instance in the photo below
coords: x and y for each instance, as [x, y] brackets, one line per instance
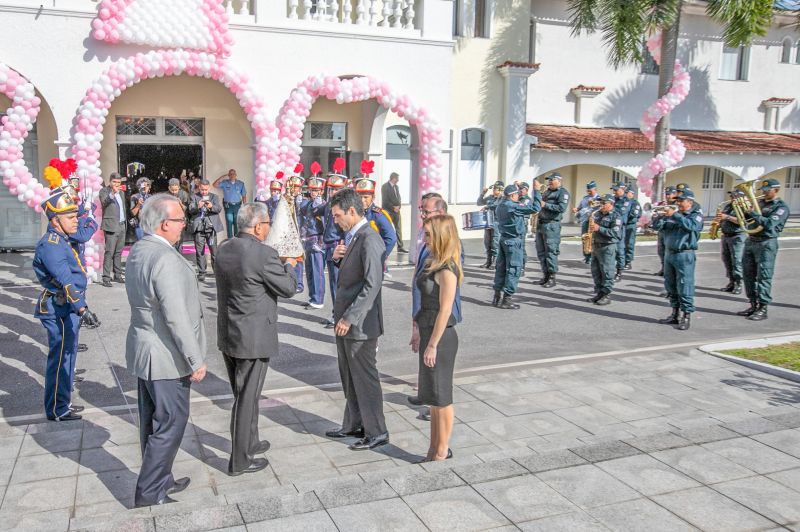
[398, 159]
[471, 165]
[786, 51]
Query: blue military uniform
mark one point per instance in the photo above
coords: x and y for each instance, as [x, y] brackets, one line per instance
[668, 200]
[681, 235]
[491, 237]
[584, 209]
[623, 206]
[312, 230]
[378, 218]
[634, 213]
[61, 273]
[604, 251]
[331, 236]
[511, 226]
[760, 251]
[548, 231]
[732, 250]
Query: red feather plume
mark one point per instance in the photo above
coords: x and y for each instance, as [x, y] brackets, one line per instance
[315, 168]
[367, 167]
[338, 165]
[279, 175]
[298, 169]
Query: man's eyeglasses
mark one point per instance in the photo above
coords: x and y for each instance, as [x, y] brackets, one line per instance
[178, 220]
[423, 212]
[259, 223]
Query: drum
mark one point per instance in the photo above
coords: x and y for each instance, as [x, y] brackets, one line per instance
[474, 221]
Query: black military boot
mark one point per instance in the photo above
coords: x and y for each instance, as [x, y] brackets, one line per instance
[595, 297]
[603, 300]
[686, 320]
[551, 281]
[672, 319]
[496, 298]
[660, 272]
[759, 314]
[737, 288]
[543, 281]
[490, 263]
[728, 287]
[618, 276]
[748, 311]
[628, 266]
[506, 303]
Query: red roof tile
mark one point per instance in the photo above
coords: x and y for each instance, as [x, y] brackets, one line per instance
[588, 88]
[518, 64]
[779, 100]
[612, 139]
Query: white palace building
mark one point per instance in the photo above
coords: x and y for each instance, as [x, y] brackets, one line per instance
[516, 95]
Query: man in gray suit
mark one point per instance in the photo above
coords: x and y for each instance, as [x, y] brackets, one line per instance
[165, 346]
[391, 203]
[112, 201]
[204, 209]
[250, 278]
[358, 315]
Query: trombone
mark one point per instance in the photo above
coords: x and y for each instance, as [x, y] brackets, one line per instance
[744, 202]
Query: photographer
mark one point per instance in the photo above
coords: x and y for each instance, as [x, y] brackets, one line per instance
[204, 209]
[137, 200]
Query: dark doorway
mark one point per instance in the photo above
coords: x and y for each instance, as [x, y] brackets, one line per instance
[159, 162]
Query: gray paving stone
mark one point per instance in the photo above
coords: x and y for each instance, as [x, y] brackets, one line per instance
[45, 521]
[753, 425]
[587, 417]
[110, 458]
[544, 423]
[51, 442]
[278, 506]
[647, 475]
[318, 521]
[706, 434]
[702, 465]
[494, 470]
[789, 419]
[658, 442]
[326, 483]
[604, 451]
[624, 410]
[587, 486]
[564, 523]
[200, 520]
[536, 463]
[346, 495]
[710, 511]
[39, 496]
[639, 515]
[10, 446]
[524, 498]
[393, 514]
[787, 441]
[753, 455]
[424, 482]
[45, 466]
[475, 411]
[789, 478]
[501, 429]
[455, 509]
[765, 496]
[134, 524]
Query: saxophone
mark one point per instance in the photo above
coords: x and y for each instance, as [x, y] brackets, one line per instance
[586, 238]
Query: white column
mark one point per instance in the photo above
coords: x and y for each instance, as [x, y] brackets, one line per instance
[334, 17]
[229, 7]
[513, 148]
[387, 12]
[581, 93]
[348, 10]
[373, 12]
[293, 9]
[244, 9]
[410, 15]
[361, 10]
[772, 110]
[398, 14]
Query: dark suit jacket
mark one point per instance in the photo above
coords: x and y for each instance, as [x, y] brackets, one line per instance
[358, 290]
[110, 210]
[388, 197]
[250, 278]
[195, 225]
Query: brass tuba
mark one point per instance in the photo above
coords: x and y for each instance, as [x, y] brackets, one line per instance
[744, 202]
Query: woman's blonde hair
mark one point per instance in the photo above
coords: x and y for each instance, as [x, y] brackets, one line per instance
[445, 246]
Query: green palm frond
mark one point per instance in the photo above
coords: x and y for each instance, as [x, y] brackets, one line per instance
[623, 25]
[661, 13]
[742, 19]
[583, 16]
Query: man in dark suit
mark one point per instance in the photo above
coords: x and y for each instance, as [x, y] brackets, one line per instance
[391, 203]
[165, 346]
[204, 209]
[250, 278]
[112, 201]
[358, 315]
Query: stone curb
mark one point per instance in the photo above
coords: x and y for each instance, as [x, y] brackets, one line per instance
[788, 374]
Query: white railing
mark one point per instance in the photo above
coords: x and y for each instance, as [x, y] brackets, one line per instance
[395, 14]
[238, 7]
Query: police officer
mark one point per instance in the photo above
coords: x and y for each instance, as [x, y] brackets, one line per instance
[378, 218]
[681, 224]
[632, 221]
[606, 228]
[61, 307]
[311, 230]
[670, 197]
[623, 206]
[510, 219]
[732, 251]
[331, 236]
[525, 200]
[491, 238]
[760, 250]
[555, 200]
[584, 209]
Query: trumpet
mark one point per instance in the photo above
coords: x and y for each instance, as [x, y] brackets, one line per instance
[744, 202]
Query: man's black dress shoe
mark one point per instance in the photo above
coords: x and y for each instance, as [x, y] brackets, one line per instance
[256, 465]
[82, 348]
[414, 401]
[66, 417]
[78, 379]
[120, 279]
[80, 371]
[165, 500]
[424, 416]
[107, 283]
[370, 442]
[262, 447]
[179, 485]
[341, 433]
[76, 409]
[329, 324]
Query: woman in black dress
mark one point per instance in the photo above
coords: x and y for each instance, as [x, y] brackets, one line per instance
[438, 339]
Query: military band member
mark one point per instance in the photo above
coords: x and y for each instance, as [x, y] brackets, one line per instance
[275, 193]
[491, 238]
[732, 249]
[606, 228]
[670, 196]
[510, 218]
[584, 209]
[630, 228]
[378, 218]
[760, 250]
[331, 235]
[525, 200]
[681, 226]
[312, 229]
[555, 200]
[623, 206]
[61, 307]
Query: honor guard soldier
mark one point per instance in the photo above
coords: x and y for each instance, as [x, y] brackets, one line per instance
[623, 206]
[733, 240]
[555, 200]
[605, 225]
[634, 214]
[670, 196]
[61, 307]
[275, 192]
[491, 237]
[510, 220]
[584, 209]
[294, 199]
[377, 217]
[681, 224]
[761, 248]
[332, 235]
[312, 229]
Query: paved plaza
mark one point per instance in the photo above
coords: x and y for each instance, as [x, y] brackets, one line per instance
[569, 417]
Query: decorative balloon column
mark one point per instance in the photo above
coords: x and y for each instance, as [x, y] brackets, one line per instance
[675, 151]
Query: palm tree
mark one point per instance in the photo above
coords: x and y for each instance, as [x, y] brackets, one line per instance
[625, 24]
